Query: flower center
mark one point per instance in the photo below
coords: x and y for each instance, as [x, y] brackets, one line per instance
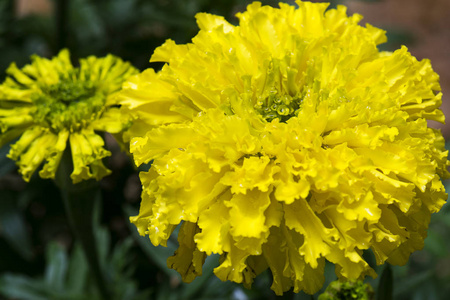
[68, 104]
[278, 107]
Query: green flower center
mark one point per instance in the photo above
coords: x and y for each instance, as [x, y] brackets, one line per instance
[278, 107]
[68, 105]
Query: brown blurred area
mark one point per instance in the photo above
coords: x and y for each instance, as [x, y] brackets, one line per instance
[27, 7]
[428, 23]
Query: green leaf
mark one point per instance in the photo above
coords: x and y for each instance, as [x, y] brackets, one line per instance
[78, 271]
[21, 287]
[103, 241]
[56, 270]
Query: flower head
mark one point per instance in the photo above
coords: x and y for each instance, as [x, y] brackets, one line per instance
[284, 142]
[50, 102]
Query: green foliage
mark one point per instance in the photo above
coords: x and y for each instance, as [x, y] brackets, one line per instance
[347, 291]
[67, 276]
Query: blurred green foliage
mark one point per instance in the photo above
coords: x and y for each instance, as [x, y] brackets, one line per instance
[66, 276]
[356, 290]
[130, 29]
[39, 258]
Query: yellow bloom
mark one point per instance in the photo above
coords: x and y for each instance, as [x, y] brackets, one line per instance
[50, 103]
[284, 142]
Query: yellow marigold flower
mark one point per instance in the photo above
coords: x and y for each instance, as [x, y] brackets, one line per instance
[284, 142]
[50, 103]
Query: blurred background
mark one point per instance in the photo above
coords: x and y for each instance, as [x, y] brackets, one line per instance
[39, 258]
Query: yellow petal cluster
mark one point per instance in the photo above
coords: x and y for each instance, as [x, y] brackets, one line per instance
[50, 104]
[285, 142]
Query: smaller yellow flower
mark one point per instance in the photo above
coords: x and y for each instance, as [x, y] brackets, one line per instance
[50, 104]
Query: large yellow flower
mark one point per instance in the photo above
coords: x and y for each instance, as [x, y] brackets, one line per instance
[284, 142]
[50, 103]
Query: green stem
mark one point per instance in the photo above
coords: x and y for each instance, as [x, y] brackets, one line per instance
[385, 287]
[79, 201]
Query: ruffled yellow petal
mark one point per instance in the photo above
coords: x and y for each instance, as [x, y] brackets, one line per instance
[112, 121]
[159, 141]
[247, 214]
[274, 252]
[10, 135]
[187, 260]
[142, 221]
[317, 238]
[255, 172]
[32, 159]
[21, 119]
[54, 156]
[109, 71]
[31, 149]
[81, 151]
[25, 141]
[233, 265]
[136, 100]
[303, 275]
[87, 153]
[215, 226]
[167, 51]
